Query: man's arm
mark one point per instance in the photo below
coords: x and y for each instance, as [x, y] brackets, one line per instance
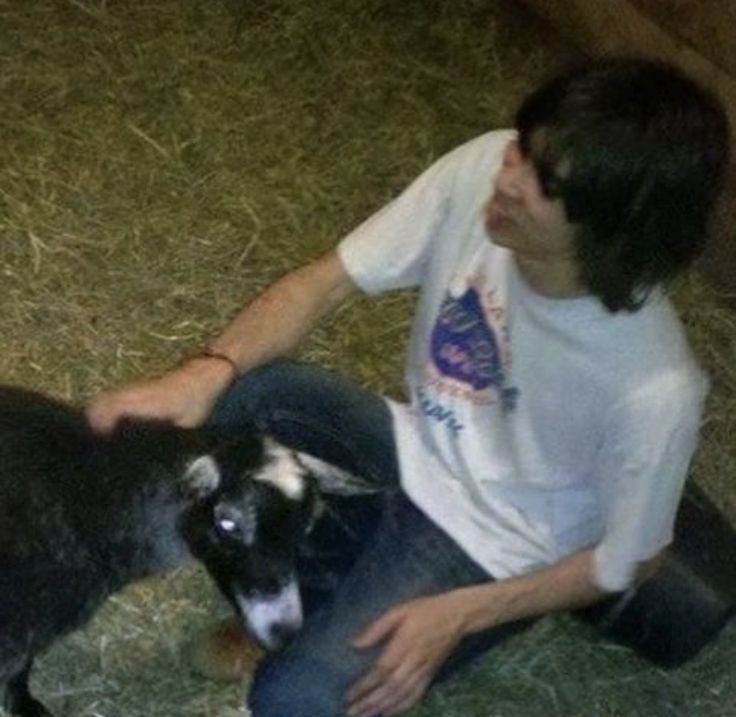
[277, 320]
[273, 324]
[419, 635]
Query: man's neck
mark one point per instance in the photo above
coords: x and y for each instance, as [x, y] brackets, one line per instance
[552, 279]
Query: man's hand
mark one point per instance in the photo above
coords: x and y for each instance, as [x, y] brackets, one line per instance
[418, 637]
[184, 396]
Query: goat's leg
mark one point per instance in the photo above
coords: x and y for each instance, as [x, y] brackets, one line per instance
[18, 699]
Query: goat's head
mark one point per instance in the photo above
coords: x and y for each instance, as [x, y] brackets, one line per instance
[251, 504]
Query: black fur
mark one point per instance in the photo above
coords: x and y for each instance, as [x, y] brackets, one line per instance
[82, 515]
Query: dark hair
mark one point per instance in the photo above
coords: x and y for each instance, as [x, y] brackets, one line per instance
[637, 152]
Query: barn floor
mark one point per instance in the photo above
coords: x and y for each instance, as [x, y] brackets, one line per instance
[161, 162]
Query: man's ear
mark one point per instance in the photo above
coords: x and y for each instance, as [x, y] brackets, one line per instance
[201, 477]
[332, 479]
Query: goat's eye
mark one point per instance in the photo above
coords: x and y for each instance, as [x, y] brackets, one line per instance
[226, 525]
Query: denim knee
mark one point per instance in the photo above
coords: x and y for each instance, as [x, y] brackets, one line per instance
[299, 687]
[247, 401]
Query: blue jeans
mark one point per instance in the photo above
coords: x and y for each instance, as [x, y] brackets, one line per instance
[366, 555]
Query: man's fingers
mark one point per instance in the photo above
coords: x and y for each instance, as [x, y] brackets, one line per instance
[378, 630]
[393, 695]
[412, 698]
[363, 688]
[102, 419]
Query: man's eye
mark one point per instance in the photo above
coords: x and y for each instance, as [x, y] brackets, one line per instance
[550, 183]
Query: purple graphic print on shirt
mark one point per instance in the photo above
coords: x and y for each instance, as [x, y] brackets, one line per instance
[464, 346]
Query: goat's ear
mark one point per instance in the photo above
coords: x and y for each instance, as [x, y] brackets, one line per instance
[201, 477]
[332, 479]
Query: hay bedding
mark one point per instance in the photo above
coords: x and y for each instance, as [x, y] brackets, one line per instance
[160, 162]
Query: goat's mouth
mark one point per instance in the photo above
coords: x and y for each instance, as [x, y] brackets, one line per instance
[272, 618]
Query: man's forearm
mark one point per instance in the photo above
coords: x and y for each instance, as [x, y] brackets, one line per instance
[269, 326]
[276, 321]
[566, 585]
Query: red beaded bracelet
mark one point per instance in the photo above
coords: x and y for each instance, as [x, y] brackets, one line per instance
[212, 354]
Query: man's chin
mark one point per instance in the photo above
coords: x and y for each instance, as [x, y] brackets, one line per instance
[499, 238]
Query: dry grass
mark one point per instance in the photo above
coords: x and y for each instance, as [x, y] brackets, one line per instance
[161, 162]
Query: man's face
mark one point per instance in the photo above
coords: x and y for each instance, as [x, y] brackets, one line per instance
[520, 217]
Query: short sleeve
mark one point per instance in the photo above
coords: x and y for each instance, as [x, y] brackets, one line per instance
[391, 249]
[644, 463]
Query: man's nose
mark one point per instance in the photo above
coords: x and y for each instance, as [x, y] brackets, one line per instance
[507, 183]
[512, 175]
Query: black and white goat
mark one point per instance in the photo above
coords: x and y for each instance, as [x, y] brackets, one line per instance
[82, 515]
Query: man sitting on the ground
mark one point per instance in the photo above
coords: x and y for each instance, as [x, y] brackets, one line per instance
[554, 401]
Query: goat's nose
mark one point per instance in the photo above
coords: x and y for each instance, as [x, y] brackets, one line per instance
[282, 633]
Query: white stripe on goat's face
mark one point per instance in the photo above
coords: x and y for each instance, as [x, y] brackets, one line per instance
[273, 618]
[283, 470]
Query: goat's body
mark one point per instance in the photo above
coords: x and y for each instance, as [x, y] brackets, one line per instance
[81, 516]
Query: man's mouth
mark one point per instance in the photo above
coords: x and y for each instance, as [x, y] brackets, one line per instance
[496, 215]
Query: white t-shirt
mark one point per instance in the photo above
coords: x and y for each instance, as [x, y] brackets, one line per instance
[537, 426]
